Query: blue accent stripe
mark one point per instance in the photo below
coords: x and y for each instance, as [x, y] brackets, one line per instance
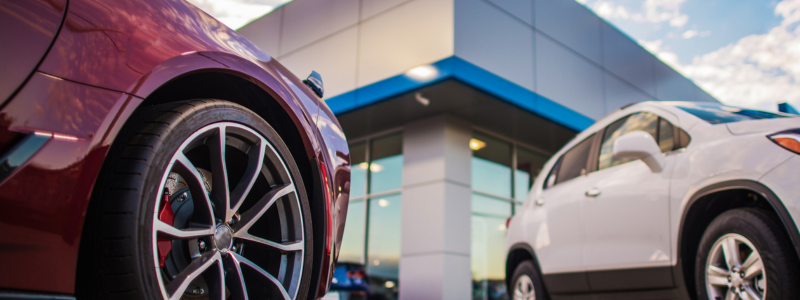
[471, 75]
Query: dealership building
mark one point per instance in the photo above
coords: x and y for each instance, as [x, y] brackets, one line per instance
[451, 108]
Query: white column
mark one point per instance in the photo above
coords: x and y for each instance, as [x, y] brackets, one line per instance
[434, 260]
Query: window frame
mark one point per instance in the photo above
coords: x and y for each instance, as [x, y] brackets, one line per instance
[514, 145]
[366, 196]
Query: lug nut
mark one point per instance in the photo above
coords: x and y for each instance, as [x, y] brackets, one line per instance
[182, 197]
[233, 248]
[741, 274]
[202, 245]
[198, 291]
[729, 279]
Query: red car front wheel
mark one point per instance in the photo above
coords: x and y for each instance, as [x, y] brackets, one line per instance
[202, 200]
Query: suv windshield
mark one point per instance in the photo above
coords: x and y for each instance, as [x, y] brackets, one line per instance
[718, 114]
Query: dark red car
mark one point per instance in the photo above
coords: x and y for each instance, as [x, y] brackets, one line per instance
[149, 152]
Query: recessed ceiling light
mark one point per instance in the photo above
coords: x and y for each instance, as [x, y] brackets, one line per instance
[423, 72]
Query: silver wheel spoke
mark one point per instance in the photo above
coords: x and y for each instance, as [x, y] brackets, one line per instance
[252, 215]
[255, 162]
[752, 294]
[177, 287]
[731, 295]
[752, 266]
[717, 280]
[731, 253]
[165, 230]
[717, 276]
[219, 173]
[239, 291]
[185, 168]
[269, 276]
[285, 247]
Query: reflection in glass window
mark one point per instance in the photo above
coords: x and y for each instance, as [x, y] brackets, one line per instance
[666, 136]
[378, 245]
[643, 121]
[574, 161]
[529, 164]
[358, 170]
[487, 258]
[352, 247]
[383, 253]
[386, 166]
[490, 205]
[494, 199]
[491, 165]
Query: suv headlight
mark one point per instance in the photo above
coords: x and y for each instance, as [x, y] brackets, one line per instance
[789, 139]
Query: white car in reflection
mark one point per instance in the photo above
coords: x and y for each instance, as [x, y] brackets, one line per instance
[663, 200]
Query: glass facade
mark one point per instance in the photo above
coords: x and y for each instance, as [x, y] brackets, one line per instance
[372, 234]
[502, 174]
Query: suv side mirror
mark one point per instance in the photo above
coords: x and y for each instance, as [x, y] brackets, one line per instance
[640, 145]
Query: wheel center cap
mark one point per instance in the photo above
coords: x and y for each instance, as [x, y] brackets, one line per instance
[223, 238]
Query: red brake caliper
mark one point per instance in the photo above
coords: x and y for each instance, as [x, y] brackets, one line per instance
[166, 215]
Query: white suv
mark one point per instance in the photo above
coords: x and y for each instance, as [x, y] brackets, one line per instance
[665, 200]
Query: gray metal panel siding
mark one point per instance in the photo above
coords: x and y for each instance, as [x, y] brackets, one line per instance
[571, 24]
[671, 85]
[568, 78]
[498, 43]
[522, 9]
[628, 60]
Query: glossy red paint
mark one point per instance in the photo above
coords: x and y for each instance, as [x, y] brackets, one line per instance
[140, 39]
[45, 200]
[35, 24]
[104, 61]
[337, 159]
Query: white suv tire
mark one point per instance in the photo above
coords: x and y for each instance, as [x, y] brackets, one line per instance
[745, 254]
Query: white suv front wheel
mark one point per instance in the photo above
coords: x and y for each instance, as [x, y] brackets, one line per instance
[744, 254]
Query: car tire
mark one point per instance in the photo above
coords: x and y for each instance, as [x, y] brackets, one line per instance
[526, 284]
[164, 221]
[745, 251]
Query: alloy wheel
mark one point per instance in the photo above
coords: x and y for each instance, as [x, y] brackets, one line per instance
[734, 270]
[228, 224]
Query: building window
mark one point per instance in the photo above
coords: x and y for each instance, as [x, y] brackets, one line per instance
[502, 174]
[372, 234]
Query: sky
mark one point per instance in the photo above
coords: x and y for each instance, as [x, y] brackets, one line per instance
[743, 52]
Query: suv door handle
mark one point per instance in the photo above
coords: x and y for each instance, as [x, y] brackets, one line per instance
[593, 192]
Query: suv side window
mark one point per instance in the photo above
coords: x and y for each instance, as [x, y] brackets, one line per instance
[572, 164]
[642, 121]
[666, 136]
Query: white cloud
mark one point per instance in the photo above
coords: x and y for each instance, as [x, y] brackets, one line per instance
[652, 11]
[690, 34]
[657, 11]
[610, 11]
[757, 70]
[679, 20]
[237, 13]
